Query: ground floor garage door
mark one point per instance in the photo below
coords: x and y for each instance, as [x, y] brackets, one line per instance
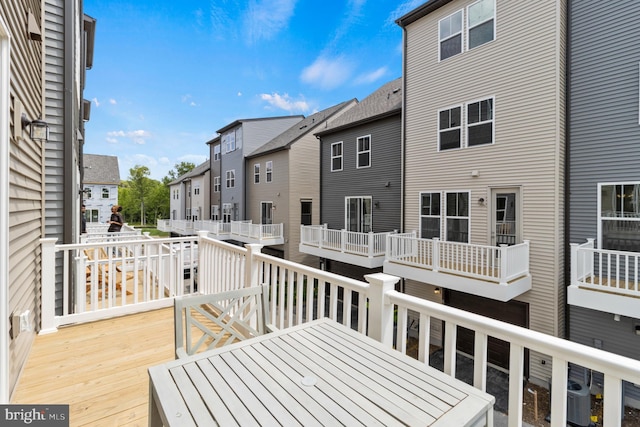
[514, 312]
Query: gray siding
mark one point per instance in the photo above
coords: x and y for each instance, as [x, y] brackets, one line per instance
[603, 141]
[25, 180]
[385, 167]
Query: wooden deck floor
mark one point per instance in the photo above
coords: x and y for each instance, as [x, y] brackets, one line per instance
[99, 368]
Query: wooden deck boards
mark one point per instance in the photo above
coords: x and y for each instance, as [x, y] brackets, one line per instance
[99, 368]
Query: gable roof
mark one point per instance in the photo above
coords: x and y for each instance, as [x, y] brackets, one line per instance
[100, 169]
[303, 127]
[385, 101]
[201, 169]
[421, 12]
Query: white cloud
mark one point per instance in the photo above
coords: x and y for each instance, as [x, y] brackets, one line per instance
[112, 101]
[95, 101]
[239, 93]
[136, 136]
[112, 140]
[265, 18]
[328, 73]
[371, 77]
[285, 102]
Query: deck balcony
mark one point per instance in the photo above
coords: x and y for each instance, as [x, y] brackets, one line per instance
[604, 280]
[496, 272]
[101, 366]
[243, 231]
[362, 249]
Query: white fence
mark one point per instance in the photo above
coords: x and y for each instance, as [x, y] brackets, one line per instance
[364, 244]
[493, 263]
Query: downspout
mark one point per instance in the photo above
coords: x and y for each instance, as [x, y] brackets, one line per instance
[70, 190]
[403, 125]
[4, 211]
[567, 171]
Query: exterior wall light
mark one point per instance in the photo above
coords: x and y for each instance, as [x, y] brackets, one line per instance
[38, 129]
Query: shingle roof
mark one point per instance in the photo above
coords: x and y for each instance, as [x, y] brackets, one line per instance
[100, 169]
[201, 169]
[384, 101]
[303, 127]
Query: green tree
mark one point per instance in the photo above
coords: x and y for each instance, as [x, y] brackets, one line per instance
[141, 186]
[159, 201]
[178, 170]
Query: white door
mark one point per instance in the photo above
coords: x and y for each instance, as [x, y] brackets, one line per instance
[505, 218]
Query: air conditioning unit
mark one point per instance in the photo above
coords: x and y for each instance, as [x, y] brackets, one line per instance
[578, 404]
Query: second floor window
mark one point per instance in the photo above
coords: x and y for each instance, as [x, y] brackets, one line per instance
[481, 20]
[269, 171]
[449, 128]
[87, 193]
[364, 151]
[105, 193]
[196, 191]
[231, 179]
[216, 184]
[336, 156]
[216, 152]
[450, 35]
[256, 173]
[480, 122]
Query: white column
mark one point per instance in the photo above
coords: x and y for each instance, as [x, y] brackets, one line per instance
[47, 321]
[380, 312]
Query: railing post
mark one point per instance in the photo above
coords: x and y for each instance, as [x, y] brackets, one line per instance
[574, 264]
[48, 283]
[370, 244]
[380, 311]
[503, 264]
[436, 254]
[343, 239]
[251, 265]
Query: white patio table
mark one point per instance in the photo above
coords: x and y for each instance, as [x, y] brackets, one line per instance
[318, 373]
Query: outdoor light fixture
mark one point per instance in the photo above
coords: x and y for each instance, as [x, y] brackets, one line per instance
[38, 129]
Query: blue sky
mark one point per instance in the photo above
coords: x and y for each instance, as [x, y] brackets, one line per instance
[167, 74]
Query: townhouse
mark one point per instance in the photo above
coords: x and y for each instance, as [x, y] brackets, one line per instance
[484, 165]
[360, 181]
[100, 186]
[282, 180]
[603, 190]
[190, 196]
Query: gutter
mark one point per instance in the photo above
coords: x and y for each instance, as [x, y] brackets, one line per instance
[567, 172]
[68, 145]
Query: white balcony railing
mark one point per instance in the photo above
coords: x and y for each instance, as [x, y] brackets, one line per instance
[299, 294]
[499, 264]
[244, 231]
[348, 242]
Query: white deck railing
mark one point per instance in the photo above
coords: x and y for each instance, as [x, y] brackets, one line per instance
[299, 294]
[612, 271]
[235, 229]
[256, 231]
[351, 242]
[492, 263]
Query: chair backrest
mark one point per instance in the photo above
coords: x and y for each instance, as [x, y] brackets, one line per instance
[203, 322]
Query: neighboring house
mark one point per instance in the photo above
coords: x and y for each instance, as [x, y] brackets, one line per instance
[190, 196]
[100, 186]
[237, 140]
[360, 183]
[214, 175]
[40, 179]
[604, 178]
[484, 165]
[282, 180]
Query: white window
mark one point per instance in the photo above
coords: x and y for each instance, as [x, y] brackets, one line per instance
[266, 214]
[336, 156]
[227, 209]
[364, 151]
[105, 193]
[216, 184]
[481, 23]
[449, 128]
[87, 193]
[269, 171]
[215, 212]
[196, 190]
[216, 152]
[480, 122]
[188, 213]
[229, 142]
[256, 173]
[619, 216]
[231, 178]
[358, 214]
[450, 35]
[455, 216]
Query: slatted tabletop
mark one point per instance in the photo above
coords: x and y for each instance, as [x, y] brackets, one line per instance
[319, 373]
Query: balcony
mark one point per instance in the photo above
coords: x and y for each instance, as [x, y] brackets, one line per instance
[362, 249]
[242, 231]
[497, 272]
[104, 386]
[604, 280]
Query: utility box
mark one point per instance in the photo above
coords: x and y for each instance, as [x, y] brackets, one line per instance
[578, 404]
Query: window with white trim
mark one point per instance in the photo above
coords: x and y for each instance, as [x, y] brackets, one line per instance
[358, 214]
[480, 23]
[619, 216]
[364, 152]
[454, 216]
[231, 178]
[227, 210]
[216, 184]
[449, 128]
[450, 35]
[87, 193]
[336, 156]
[429, 215]
[196, 190]
[105, 193]
[256, 173]
[215, 212]
[216, 152]
[480, 122]
[457, 217]
[269, 167]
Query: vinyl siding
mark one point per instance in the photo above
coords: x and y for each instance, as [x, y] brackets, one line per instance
[371, 181]
[522, 69]
[26, 163]
[604, 135]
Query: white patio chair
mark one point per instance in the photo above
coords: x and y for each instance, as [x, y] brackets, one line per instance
[203, 322]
